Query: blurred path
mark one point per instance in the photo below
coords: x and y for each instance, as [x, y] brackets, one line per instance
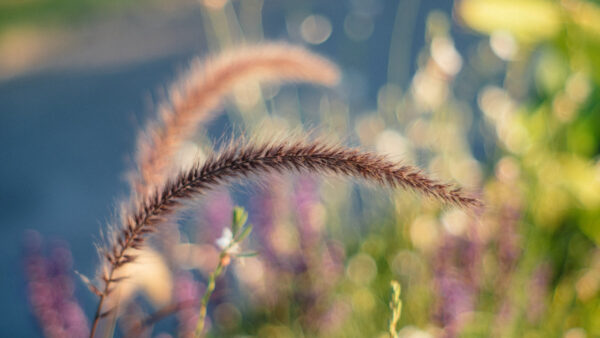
[70, 103]
[133, 36]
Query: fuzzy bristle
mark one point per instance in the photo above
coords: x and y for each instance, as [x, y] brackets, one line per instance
[248, 158]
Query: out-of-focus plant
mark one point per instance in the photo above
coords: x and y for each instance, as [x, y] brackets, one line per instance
[396, 308]
[546, 188]
[50, 288]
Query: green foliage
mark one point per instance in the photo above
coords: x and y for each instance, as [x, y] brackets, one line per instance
[57, 12]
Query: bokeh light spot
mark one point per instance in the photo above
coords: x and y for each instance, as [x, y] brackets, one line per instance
[315, 29]
[361, 269]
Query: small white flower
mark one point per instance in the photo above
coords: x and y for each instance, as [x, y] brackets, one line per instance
[225, 240]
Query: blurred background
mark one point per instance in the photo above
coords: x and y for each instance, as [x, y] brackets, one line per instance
[499, 96]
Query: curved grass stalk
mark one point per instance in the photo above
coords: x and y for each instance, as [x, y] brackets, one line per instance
[243, 159]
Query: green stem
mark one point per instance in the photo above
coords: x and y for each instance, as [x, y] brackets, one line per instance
[209, 290]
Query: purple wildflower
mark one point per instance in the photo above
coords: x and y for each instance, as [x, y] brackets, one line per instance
[50, 289]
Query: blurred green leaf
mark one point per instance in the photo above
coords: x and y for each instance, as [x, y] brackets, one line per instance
[530, 21]
[246, 254]
[245, 232]
[240, 217]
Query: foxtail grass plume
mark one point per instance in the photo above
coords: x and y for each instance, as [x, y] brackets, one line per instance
[248, 158]
[195, 98]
